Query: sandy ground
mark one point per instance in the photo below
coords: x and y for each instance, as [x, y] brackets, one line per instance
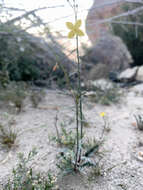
[121, 147]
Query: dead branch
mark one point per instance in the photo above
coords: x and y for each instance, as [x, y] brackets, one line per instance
[127, 23]
[110, 19]
[12, 21]
[13, 9]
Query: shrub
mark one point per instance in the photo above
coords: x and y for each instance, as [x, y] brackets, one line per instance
[25, 69]
[7, 136]
[14, 94]
[106, 96]
[7, 133]
[16, 55]
[36, 96]
[23, 177]
[64, 137]
[26, 57]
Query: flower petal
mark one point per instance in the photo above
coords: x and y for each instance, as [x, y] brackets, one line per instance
[77, 24]
[70, 25]
[79, 32]
[102, 114]
[71, 34]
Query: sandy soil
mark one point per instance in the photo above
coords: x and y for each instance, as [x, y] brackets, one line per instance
[121, 147]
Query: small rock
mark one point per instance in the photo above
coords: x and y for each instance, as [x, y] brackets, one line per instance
[111, 51]
[90, 93]
[140, 156]
[128, 75]
[139, 75]
[100, 83]
[137, 89]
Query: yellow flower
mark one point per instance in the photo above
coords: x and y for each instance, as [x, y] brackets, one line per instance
[102, 114]
[74, 29]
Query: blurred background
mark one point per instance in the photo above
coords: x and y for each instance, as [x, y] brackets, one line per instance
[33, 39]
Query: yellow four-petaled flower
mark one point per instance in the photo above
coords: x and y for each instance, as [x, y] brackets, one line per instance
[74, 29]
[102, 114]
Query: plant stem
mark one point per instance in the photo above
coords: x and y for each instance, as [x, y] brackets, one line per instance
[79, 89]
[79, 104]
[77, 134]
[77, 96]
[57, 131]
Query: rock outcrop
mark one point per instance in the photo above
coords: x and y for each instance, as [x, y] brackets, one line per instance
[128, 75]
[93, 28]
[107, 56]
[131, 74]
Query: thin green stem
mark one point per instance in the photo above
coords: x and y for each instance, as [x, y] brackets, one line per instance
[80, 96]
[77, 134]
[77, 97]
[79, 86]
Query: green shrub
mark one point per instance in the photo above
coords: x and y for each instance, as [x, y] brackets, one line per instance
[64, 137]
[25, 69]
[8, 134]
[36, 96]
[17, 57]
[14, 95]
[106, 96]
[26, 57]
[23, 177]
[130, 34]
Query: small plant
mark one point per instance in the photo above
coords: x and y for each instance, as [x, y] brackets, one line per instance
[66, 162]
[64, 137]
[106, 96]
[67, 138]
[23, 177]
[139, 121]
[14, 95]
[75, 159]
[75, 31]
[106, 124]
[85, 122]
[7, 134]
[36, 97]
[4, 78]
[91, 145]
[95, 172]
